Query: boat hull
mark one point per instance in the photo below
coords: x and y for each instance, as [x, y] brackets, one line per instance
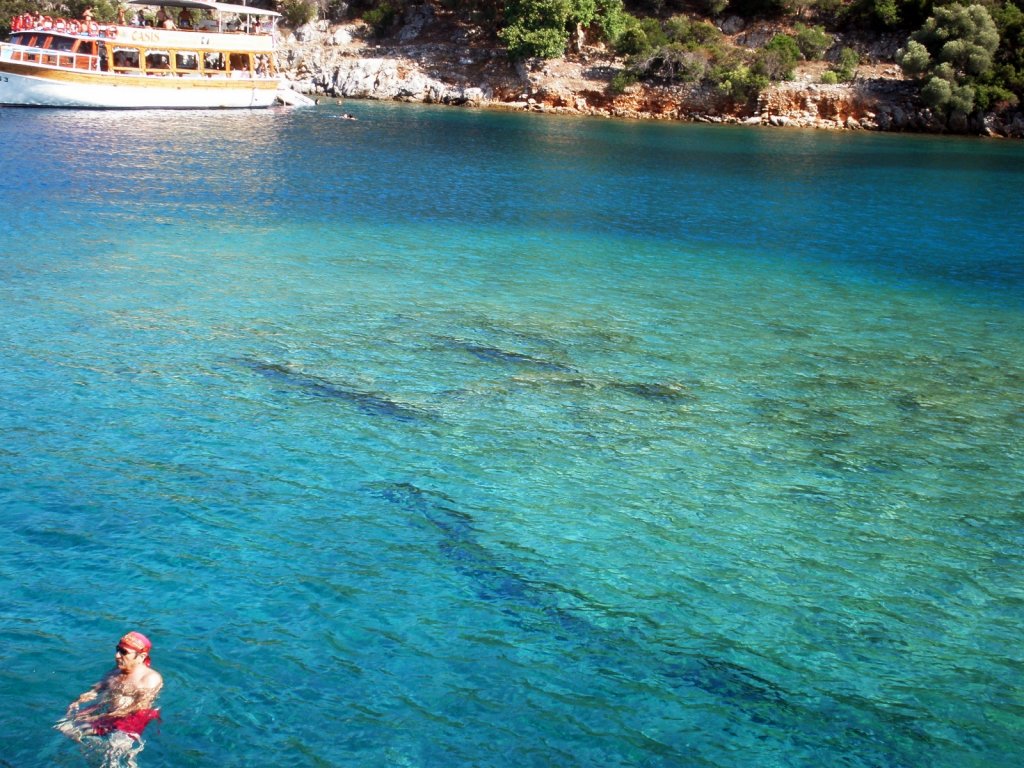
[23, 85]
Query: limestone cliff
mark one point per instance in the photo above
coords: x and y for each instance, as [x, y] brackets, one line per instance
[434, 59]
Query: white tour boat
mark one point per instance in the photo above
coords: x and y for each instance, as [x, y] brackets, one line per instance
[210, 55]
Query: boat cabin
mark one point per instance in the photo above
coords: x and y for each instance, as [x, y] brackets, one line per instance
[217, 41]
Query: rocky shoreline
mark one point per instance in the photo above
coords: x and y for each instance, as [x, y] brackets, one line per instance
[435, 60]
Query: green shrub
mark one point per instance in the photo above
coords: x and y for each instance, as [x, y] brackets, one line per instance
[622, 80]
[632, 41]
[298, 12]
[611, 18]
[639, 37]
[886, 12]
[655, 33]
[525, 43]
[706, 33]
[882, 15]
[777, 60]
[1008, 70]
[830, 9]
[812, 41]
[995, 97]
[828, 77]
[693, 34]
[381, 18]
[739, 82]
[540, 28]
[915, 59]
[677, 29]
[845, 68]
[942, 95]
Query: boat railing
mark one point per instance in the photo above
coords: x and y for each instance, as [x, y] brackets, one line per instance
[85, 29]
[49, 57]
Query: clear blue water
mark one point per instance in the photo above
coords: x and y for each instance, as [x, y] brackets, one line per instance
[453, 438]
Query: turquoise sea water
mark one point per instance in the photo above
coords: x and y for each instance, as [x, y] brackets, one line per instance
[446, 438]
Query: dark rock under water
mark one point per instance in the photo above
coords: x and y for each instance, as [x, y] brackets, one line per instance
[875, 737]
[367, 402]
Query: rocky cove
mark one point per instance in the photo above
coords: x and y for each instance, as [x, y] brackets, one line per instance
[435, 59]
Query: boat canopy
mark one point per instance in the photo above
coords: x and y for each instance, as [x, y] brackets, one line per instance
[208, 5]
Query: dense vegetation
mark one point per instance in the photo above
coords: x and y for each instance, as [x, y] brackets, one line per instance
[966, 56]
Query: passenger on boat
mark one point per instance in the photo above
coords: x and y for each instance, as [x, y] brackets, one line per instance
[184, 19]
[87, 15]
[163, 21]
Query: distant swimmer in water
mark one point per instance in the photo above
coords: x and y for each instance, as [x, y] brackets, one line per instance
[121, 706]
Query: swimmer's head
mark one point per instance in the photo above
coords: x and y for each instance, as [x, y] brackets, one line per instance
[137, 643]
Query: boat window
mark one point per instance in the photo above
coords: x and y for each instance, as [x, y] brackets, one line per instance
[239, 61]
[62, 43]
[126, 58]
[158, 60]
[186, 60]
[214, 62]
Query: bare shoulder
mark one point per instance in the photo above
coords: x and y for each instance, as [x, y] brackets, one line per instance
[151, 681]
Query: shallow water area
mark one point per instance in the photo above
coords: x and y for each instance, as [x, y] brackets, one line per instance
[444, 437]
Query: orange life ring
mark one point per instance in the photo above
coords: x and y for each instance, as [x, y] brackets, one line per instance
[27, 22]
[16, 24]
[111, 31]
[94, 28]
[47, 22]
[73, 27]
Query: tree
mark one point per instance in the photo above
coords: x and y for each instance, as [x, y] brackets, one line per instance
[536, 28]
[541, 28]
[1004, 86]
[952, 52]
[886, 14]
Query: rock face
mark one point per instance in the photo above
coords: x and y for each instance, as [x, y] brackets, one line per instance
[432, 61]
[397, 80]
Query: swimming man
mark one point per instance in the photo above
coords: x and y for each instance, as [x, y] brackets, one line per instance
[123, 698]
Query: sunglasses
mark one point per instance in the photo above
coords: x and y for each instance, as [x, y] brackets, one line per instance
[122, 651]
